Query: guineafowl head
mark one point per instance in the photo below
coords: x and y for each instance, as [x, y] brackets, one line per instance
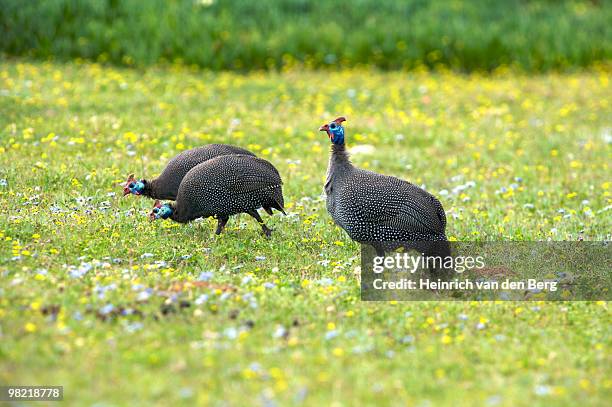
[335, 130]
[133, 186]
[161, 211]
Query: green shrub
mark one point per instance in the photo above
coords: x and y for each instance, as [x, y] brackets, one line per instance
[243, 34]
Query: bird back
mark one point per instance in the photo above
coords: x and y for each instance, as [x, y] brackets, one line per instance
[376, 207]
[167, 184]
[230, 184]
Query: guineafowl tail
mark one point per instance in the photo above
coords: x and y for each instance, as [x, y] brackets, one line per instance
[277, 199]
[436, 251]
[440, 248]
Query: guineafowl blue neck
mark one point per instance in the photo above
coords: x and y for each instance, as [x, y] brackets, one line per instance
[336, 134]
[338, 139]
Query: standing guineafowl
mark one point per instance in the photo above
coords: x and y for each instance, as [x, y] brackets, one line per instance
[167, 184]
[375, 209]
[225, 186]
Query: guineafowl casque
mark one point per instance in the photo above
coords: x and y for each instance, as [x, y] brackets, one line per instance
[378, 209]
[225, 186]
[167, 184]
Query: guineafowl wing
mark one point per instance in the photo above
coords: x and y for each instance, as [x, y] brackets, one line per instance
[390, 201]
[439, 211]
[167, 184]
[253, 174]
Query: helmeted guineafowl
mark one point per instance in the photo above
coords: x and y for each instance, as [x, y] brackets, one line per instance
[167, 184]
[377, 209]
[225, 186]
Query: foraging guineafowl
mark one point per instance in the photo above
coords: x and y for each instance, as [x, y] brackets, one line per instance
[374, 208]
[167, 184]
[225, 186]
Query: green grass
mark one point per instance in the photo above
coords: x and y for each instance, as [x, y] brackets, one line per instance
[474, 35]
[66, 137]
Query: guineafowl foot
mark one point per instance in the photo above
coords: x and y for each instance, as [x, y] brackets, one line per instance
[221, 225]
[266, 230]
[380, 251]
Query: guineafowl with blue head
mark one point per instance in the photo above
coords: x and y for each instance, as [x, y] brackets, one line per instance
[381, 210]
[224, 186]
[166, 186]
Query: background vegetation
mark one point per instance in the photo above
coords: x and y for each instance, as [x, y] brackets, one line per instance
[534, 35]
[123, 312]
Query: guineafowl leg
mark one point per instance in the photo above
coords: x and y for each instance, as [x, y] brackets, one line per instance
[221, 221]
[380, 251]
[440, 249]
[267, 231]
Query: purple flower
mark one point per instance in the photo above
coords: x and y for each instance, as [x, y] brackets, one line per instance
[231, 333]
[143, 296]
[280, 332]
[407, 339]
[107, 309]
[201, 299]
[331, 334]
[133, 327]
[205, 276]
[80, 271]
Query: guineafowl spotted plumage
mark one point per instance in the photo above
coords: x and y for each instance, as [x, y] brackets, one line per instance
[378, 209]
[225, 186]
[167, 184]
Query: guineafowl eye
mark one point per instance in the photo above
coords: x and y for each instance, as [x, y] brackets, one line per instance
[333, 125]
[131, 185]
[155, 210]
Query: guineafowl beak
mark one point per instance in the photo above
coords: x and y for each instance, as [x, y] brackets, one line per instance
[126, 186]
[325, 128]
[156, 206]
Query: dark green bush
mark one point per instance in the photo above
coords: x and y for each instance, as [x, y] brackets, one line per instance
[245, 34]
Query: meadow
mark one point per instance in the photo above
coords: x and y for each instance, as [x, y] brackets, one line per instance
[123, 311]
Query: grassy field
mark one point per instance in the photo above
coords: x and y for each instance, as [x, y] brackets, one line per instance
[121, 311]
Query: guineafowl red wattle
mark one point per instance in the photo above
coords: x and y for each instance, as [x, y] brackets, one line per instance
[167, 184]
[225, 186]
[378, 209]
